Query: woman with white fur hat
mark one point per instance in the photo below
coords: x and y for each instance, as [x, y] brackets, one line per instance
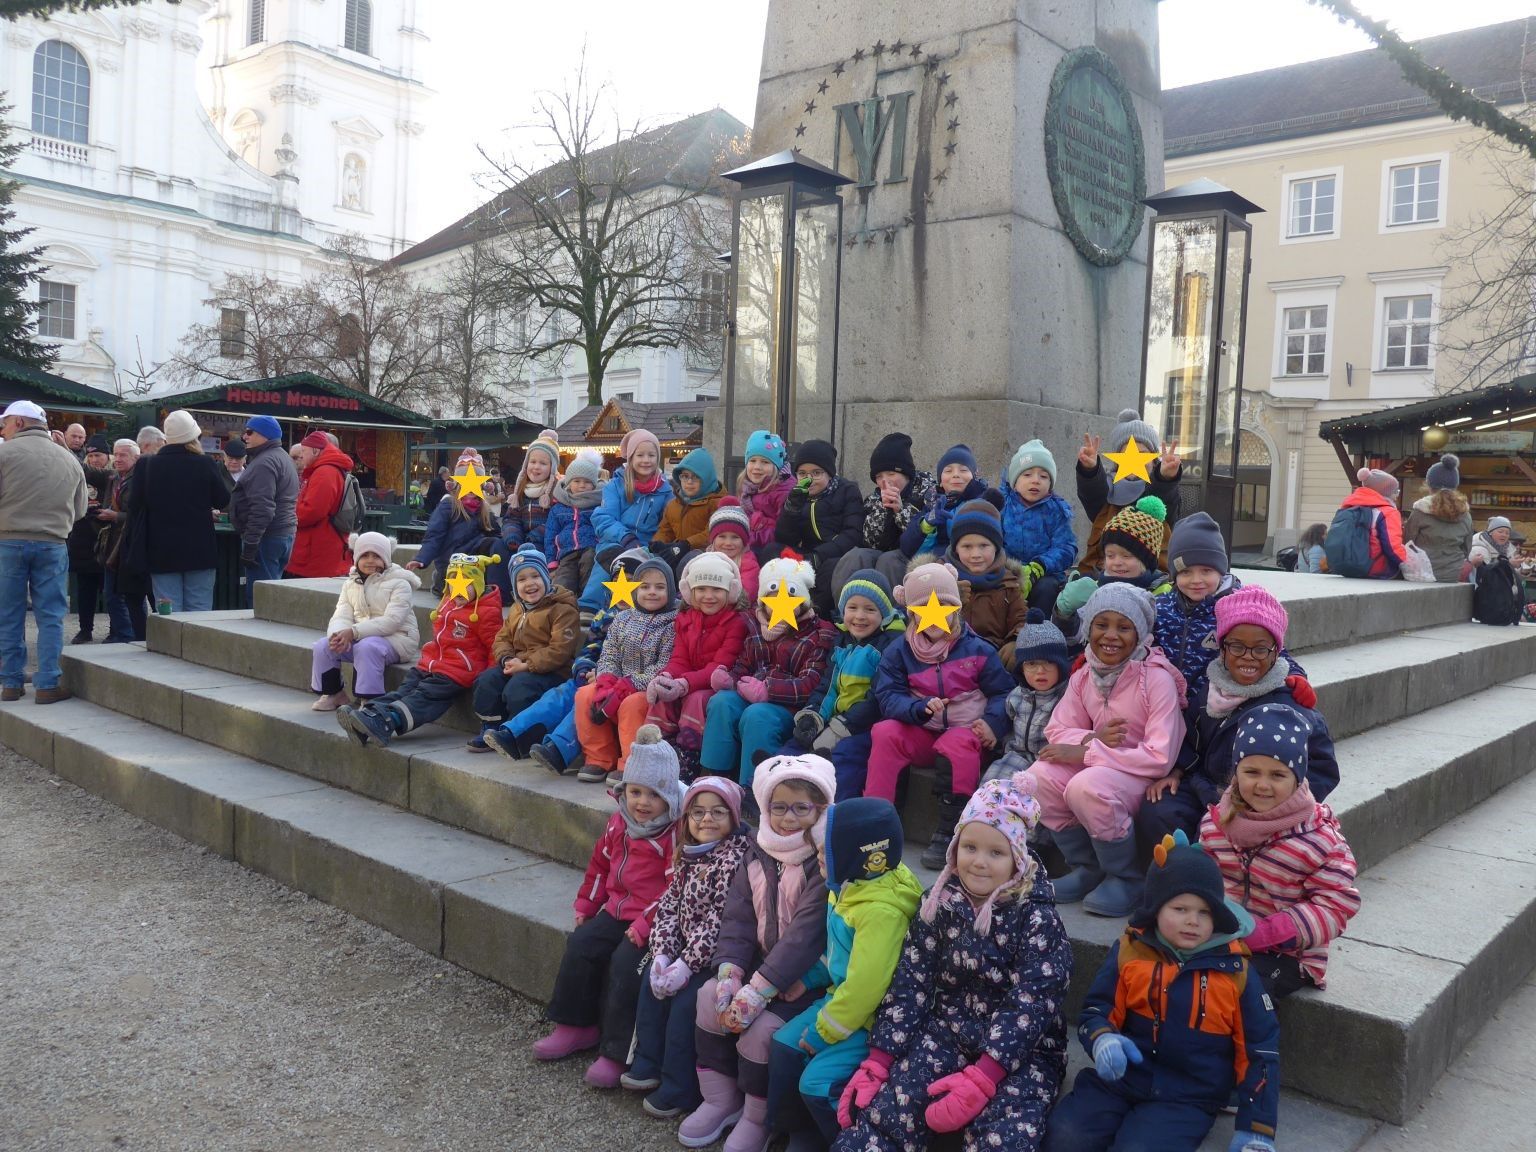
[372, 627]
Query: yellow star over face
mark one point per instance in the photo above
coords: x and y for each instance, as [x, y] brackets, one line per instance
[933, 613]
[782, 606]
[621, 589]
[1131, 463]
[471, 482]
[460, 585]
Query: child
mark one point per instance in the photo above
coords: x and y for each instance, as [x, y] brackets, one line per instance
[533, 650]
[630, 509]
[772, 935]
[943, 694]
[1117, 729]
[373, 626]
[959, 481]
[1309, 550]
[685, 519]
[1370, 520]
[711, 844]
[463, 632]
[1043, 666]
[1281, 852]
[755, 701]
[568, 532]
[611, 709]
[1186, 615]
[1174, 1024]
[762, 488]
[1250, 671]
[992, 601]
[709, 637]
[525, 509]
[970, 1036]
[873, 898]
[598, 987]
[1493, 543]
[457, 526]
[1129, 554]
[823, 516]
[730, 532]
[837, 721]
[1037, 524]
[1102, 495]
[901, 495]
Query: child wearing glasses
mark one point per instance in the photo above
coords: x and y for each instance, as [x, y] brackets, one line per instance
[1250, 670]
[822, 518]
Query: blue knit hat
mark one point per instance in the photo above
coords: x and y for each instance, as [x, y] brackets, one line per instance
[959, 454]
[1040, 639]
[529, 556]
[769, 446]
[977, 518]
[874, 587]
[863, 840]
[656, 564]
[265, 426]
[1179, 868]
[1277, 731]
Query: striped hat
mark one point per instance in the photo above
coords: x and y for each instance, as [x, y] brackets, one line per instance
[1138, 529]
[874, 587]
[730, 516]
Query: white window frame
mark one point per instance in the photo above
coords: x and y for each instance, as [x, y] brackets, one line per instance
[38, 118]
[1312, 292]
[73, 335]
[1306, 332]
[1389, 166]
[550, 421]
[1287, 181]
[359, 13]
[1411, 382]
[256, 23]
[231, 335]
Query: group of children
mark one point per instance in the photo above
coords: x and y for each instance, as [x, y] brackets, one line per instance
[748, 947]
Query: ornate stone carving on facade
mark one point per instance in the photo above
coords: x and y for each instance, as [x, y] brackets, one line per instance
[140, 27]
[410, 127]
[20, 37]
[353, 178]
[108, 63]
[191, 41]
[286, 157]
[294, 94]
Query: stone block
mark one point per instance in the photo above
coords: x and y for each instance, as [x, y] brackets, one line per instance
[511, 927]
[145, 685]
[259, 649]
[163, 634]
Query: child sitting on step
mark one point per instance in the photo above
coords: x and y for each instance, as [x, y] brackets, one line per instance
[464, 629]
[1281, 852]
[630, 509]
[696, 493]
[1186, 614]
[372, 627]
[823, 517]
[598, 985]
[569, 537]
[992, 600]
[1037, 525]
[1043, 666]
[1102, 493]
[959, 480]
[525, 512]
[730, 531]
[461, 524]
[1130, 543]
[764, 484]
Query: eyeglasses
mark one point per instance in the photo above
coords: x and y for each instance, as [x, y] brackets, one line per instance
[1257, 651]
[709, 813]
[810, 474]
[800, 810]
[248, 432]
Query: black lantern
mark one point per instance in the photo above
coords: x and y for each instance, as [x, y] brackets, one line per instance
[1192, 358]
[786, 263]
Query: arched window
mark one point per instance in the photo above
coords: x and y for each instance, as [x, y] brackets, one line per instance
[359, 30]
[61, 93]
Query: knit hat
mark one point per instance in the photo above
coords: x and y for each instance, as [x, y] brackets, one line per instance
[875, 588]
[976, 518]
[1497, 522]
[1138, 529]
[266, 426]
[1178, 868]
[731, 517]
[863, 840]
[1031, 454]
[588, 465]
[702, 465]
[1040, 639]
[234, 449]
[787, 572]
[926, 578]
[653, 564]
[469, 457]
[722, 786]
[316, 440]
[652, 764]
[769, 446]
[1008, 805]
[817, 453]
[1133, 427]
[1382, 483]
[636, 437]
[372, 544]
[1277, 731]
[778, 770]
[1251, 604]
[627, 561]
[473, 567]
[98, 444]
[181, 428]
[529, 557]
[893, 454]
[1446, 474]
[711, 570]
[1134, 603]
[1196, 540]
[962, 455]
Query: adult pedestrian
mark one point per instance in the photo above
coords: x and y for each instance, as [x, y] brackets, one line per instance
[234, 459]
[86, 538]
[263, 511]
[125, 588]
[1441, 523]
[436, 491]
[42, 494]
[150, 440]
[318, 549]
[175, 495]
[74, 440]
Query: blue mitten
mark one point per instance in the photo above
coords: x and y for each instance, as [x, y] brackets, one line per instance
[1110, 1053]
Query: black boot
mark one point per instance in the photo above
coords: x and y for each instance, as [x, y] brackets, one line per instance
[936, 855]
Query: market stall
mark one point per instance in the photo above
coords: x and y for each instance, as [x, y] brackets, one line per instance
[65, 401]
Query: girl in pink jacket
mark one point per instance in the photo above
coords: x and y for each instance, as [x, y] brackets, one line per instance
[1117, 729]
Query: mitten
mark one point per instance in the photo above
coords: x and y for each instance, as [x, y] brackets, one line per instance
[808, 726]
[248, 557]
[1301, 691]
[958, 1099]
[1110, 1053]
[720, 680]
[836, 730]
[863, 1085]
[659, 967]
[1250, 1142]
[1271, 932]
[670, 980]
[752, 690]
[1075, 595]
[727, 984]
[1028, 574]
[745, 1007]
[653, 690]
[673, 688]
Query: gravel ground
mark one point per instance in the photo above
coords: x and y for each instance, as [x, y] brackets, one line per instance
[156, 996]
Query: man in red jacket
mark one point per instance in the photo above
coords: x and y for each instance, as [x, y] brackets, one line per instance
[318, 549]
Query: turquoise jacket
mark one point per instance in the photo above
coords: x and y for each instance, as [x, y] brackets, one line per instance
[844, 690]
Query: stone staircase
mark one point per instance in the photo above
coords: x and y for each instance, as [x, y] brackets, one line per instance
[207, 731]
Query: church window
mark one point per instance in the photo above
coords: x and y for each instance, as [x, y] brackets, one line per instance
[359, 30]
[256, 27]
[55, 310]
[232, 333]
[61, 93]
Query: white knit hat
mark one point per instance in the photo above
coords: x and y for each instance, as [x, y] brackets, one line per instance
[181, 428]
[373, 543]
[711, 570]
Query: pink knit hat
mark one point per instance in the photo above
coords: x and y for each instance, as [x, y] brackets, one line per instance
[926, 578]
[1382, 483]
[724, 787]
[636, 437]
[1251, 605]
[1008, 805]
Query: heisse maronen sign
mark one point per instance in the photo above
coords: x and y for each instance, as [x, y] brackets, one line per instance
[290, 398]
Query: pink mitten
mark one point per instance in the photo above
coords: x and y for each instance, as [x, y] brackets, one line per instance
[1272, 932]
[752, 690]
[727, 984]
[658, 974]
[863, 1085]
[958, 1099]
[673, 689]
[720, 680]
[653, 691]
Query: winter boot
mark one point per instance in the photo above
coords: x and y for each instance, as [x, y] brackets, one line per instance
[1118, 895]
[604, 1073]
[501, 741]
[548, 755]
[721, 1108]
[567, 1040]
[1086, 874]
[751, 1131]
[936, 855]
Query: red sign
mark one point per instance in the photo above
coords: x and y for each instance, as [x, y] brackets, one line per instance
[288, 398]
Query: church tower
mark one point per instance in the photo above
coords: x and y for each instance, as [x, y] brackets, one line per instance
[327, 94]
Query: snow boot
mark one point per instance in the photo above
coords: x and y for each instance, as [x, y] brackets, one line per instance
[1120, 892]
[751, 1131]
[1086, 875]
[721, 1108]
[566, 1040]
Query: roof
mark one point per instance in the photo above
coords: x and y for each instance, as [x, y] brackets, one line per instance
[675, 422]
[293, 380]
[686, 153]
[50, 384]
[1344, 92]
[1517, 395]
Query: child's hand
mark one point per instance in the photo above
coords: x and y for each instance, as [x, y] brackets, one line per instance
[413, 565]
[752, 690]
[340, 641]
[1111, 733]
[1168, 784]
[727, 984]
[580, 919]
[633, 937]
[1071, 754]
[863, 1085]
[720, 680]
[1302, 691]
[958, 1099]
[746, 1006]
[983, 733]
[1111, 1051]
[1075, 595]
[589, 675]
[1169, 463]
[936, 706]
[1088, 454]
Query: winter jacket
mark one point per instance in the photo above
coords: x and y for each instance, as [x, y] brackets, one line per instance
[1484, 549]
[791, 666]
[1030, 713]
[83, 537]
[265, 499]
[546, 636]
[318, 549]
[42, 488]
[524, 522]
[628, 523]
[638, 646]
[1039, 533]
[998, 995]
[750, 571]
[569, 527]
[176, 491]
[685, 519]
[845, 689]
[449, 532]
[1148, 696]
[883, 529]
[775, 920]
[1384, 565]
[460, 648]
[592, 643]
[930, 531]
[995, 607]
[1306, 872]
[687, 921]
[867, 924]
[1183, 626]
[1100, 500]
[1445, 541]
[627, 877]
[763, 508]
[822, 528]
[1204, 1027]
[1312, 559]
[381, 605]
[1209, 753]
[703, 643]
[971, 678]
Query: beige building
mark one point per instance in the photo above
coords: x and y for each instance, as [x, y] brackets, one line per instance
[1367, 189]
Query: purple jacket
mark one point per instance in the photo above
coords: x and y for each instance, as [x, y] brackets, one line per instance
[775, 920]
[972, 678]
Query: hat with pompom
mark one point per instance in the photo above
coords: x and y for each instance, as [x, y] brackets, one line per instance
[1008, 805]
[528, 558]
[1384, 484]
[1032, 454]
[588, 465]
[730, 516]
[1445, 474]
[1040, 639]
[653, 764]
[1132, 427]
[1139, 529]
[471, 567]
[789, 573]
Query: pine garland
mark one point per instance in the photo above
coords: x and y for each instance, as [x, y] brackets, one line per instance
[16, 9]
[1455, 100]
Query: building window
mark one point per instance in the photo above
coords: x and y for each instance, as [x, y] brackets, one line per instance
[1407, 331]
[1306, 341]
[358, 36]
[232, 333]
[61, 93]
[256, 23]
[551, 412]
[1312, 204]
[711, 313]
[1415, 194]
[55, 310]
[628, 396]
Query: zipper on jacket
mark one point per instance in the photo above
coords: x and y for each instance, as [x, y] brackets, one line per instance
[1200, 1007]
[1159, 1004]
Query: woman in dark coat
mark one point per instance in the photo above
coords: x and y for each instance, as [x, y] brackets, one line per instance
[176, 492]
[85, 561]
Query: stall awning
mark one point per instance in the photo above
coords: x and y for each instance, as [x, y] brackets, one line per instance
[1499, 405]
[300, 397]
[52, 391]
[325, 421]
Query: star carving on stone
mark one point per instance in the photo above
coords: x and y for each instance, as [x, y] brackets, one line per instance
[869, 238]
[917, 50]
[879, 48]
[858, 55]
[941, 175]
[821, 88]
[799, 130]
[949, 149]
[953, 124]
[838, 69]
[850, 242]
[810, 107]
[896, 48]
[908, 220]
[890, 235]
[928, 198]
[943, 79]
[949, 101]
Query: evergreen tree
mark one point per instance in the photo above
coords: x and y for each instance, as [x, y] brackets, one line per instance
[20, 269]
[15, 9]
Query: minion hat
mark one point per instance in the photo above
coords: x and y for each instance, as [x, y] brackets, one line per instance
[1139, 529]
[789, 573]
[465, 565]
[529, 557]
[1009, 805]
[1179, 868]
[863, 840]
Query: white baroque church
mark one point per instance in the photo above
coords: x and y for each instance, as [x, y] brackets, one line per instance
[170, 145]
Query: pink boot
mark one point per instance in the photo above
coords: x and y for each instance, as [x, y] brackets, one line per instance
[604, 1073]
[566, 1040]
[721, 1109]
[751, 1131]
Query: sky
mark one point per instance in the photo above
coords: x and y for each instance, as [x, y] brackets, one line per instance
[665, 59]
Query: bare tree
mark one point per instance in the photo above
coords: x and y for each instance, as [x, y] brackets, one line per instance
[262, 328]
[475, 356]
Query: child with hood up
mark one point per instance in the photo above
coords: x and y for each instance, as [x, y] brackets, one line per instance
[372, 627]
[569, 533]
[630, 510]
[1037, 525]
[1102, 493]
[684, 524]
[823, 516]
[762, 488]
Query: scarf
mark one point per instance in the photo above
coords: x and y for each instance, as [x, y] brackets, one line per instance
[1106, 676]
[648, 486]
[694, 851]
[979, 581]
[1247, 829]
[1223, 695]
[787, 850]
[931, 651]
[745, 489]
[649, 830]
[582, 501]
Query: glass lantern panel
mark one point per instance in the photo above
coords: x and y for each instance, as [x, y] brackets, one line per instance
[1180, 317]
[811, 399]
[1230, 354]
[759, 292]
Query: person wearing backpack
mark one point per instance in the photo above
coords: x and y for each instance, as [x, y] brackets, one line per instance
[320, 548]
[1365, 539]
[1498, 592]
